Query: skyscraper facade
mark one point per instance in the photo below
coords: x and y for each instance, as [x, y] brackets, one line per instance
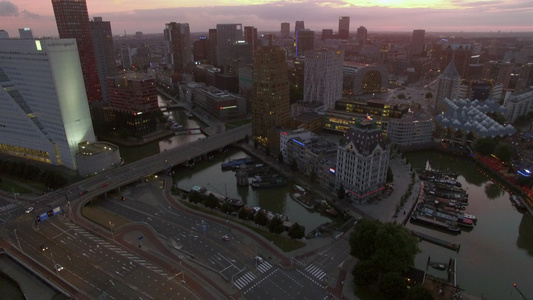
[133, 99]
[327, 34]
[212, 54]
[285, 30]
[178, 45]
[361, 34]
[25, 33]
[44, 112]
[270, 92]
[323, 76]
[305, 40]
[227, 36]
[418, 41]
[250, 36]
[72, 21]
[104, 51]
[201, 50]
[299, 25]
[344, 28]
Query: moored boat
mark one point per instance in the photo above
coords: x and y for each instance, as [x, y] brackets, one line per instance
[518, 202]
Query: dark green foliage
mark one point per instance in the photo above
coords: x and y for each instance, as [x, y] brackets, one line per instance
[296, 231]
[245, 214]
[227, 208]
[485, 146]
[504, 152]
[276, 225]
[393, 286]
[429, 95]
[261, 218]
[362, 238]
[365, 273]
[211, 201]
[401, 96]
[195, 197]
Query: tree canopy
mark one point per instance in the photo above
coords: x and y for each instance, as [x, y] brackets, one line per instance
[485, 146]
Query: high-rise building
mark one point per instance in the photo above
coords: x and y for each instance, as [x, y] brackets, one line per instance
[418, 42]
[327, 34]
[250, 36]
[133, 100]
[285, 30]
[227, 36]
[72, 21]
[323, 76]
[344, 28]
[3, 34]
[448, 84]
[305, 40]
[104, 51]
[201, 50]
[460, 54]
[212, 54]
[270, 92]
[25, 33]
[44, 112]
[178, 45]
[299, 25]
[361, 34]
[525, 77]
[362, 161]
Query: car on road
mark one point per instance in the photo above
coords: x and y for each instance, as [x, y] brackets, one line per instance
[84, 192]
[105, 184]
[225, 237]
[29, 210]
[58, 267]
[259, 259]
[43, 247]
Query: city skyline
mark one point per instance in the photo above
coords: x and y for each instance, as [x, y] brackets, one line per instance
[380, 15]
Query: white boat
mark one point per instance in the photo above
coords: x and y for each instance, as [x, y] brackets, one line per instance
[188, 114]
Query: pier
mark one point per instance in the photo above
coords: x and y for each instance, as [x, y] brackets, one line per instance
[436, 241]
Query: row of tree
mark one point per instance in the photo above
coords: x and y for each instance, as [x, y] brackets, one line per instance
[274, 225]
[22, 170]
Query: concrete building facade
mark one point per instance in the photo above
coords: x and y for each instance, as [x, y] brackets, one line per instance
[44, 113]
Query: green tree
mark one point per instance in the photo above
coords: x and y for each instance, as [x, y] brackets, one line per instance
[419, 292]
[504, 152]
[296, 231]
[389, 245]
[429, 95]
[485, 146]
[401, 96]
[245, 214]
[393, 286]
[195, 197]
[365, 273]
[211, 201]
[276, 225]
[227, 208]
[261, 218]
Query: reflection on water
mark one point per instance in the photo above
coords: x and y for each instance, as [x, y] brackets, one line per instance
[501, 234]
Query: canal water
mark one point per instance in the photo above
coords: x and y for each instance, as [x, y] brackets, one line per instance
[498, 251]
[277, 200]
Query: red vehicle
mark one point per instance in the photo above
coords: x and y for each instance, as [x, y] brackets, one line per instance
[105, 184]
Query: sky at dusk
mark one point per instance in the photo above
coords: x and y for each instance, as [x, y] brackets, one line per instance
[150, 16]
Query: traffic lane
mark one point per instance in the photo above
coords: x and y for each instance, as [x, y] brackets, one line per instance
[188, 231]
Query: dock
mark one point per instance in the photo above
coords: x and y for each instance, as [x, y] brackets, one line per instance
[436, 241]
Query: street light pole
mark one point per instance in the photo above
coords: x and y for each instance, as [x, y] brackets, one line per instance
[112, 227]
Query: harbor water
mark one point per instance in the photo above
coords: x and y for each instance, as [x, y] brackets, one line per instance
[498, 252]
